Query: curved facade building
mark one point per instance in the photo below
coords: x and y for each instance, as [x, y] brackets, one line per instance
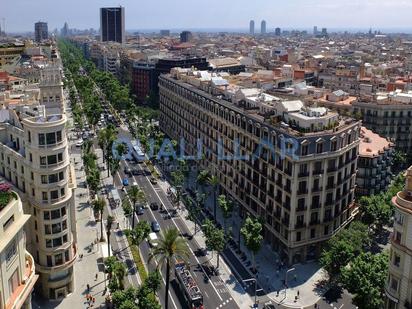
[399, 284]
[17, 272]
[34, 157]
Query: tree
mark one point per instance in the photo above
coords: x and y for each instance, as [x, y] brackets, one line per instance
[177, 181]
[170, 246]
[153, 281]
[202, 178]
[252, 235]
[109, 264]
[98, 207]
[121, 149]
[136, 195]
[365, 277]
[140, 232]
[121, 297]
[109, 223]
[213, 181]
[343, 247]
[118, 274]
[127, 209]
[216, 241]
[375, 210]
[226, 206]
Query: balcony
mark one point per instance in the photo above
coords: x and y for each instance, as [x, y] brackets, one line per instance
[316, 189]
[26, 286]
[302, 191]
[332, 169]
[314, 222]
[301, 208]
[303, 174]
[300, 225]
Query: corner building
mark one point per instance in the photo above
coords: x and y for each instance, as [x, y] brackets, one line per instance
[34, 157]
[398, 287]
[304, 198]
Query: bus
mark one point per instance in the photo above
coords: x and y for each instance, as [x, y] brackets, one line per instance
[188, 286]
[137, 152]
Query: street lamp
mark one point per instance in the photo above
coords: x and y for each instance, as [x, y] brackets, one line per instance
[256, 290]
[286, 276]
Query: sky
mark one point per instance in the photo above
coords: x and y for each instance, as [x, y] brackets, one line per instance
[20, 15]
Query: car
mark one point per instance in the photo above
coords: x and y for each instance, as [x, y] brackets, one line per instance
[127, 171]
[79, 143]
[152, 239]
[125, 182]
[135, 171]
[154, 206]
[139, 211]
[153, 180]
[134, 184]
[155, 226]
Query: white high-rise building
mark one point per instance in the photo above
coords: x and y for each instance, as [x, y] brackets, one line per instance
[252, 27]
[263, 27]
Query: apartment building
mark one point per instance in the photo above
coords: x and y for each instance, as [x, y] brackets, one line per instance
[17, 273]
[398, 287]
[302, 182]
[374, 165]
[34, 157]
[388, 114]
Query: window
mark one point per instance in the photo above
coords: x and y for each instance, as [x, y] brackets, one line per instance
[312, 233]
[64, 238]
[298, 236]
[66, 256]
[62, 193]
[35, 225]
[319, 147]
[42, 139]
[64, 225]
[304, 150]
[11, 251]
[57, 242]
[394, 284]
[44, 179]
[49, 243]
[52, 159]
[63, 211]
[29, 136]
[51, 138]
[32, 176]
[56, 228]
[49, 261]
[44, 196]
[59, 136]
[55, 214]
[54, 194]
[46, 215]
[333, 145]
[53, 178]
[47, 229]
[396, 260]
[31, 157]
[43, 161]
[61, 176]
[326, 230]
[58, 259]
[8, 223]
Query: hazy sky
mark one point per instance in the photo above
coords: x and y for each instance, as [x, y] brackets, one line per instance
[20, 15]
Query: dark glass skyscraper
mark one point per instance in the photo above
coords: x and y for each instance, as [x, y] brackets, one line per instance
[112, 24]
[41, 31]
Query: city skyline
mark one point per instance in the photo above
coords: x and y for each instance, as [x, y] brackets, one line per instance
[228, 15]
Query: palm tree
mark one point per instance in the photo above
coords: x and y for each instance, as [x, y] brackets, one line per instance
[136, 195]
[121, 149]
[98, 206]
[119, 271]
[109, 223]
[170, 246]
[213, 181]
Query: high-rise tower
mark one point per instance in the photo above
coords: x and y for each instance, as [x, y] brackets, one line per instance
[252, 27]
[112, 24]
[41, 31]
[263, 27]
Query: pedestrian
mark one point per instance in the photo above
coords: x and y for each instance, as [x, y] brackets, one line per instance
[88, 288]
[295, 277]
[95, 279]
[118, 225]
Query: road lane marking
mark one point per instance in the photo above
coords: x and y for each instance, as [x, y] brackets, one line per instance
[161, 200]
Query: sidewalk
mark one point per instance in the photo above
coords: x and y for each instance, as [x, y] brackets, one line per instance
[304, 280]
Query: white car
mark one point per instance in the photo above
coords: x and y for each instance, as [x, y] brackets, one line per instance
[152, 239]
[134, 184]
[79, 143]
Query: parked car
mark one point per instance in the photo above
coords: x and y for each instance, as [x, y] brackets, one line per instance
[125, 182]
[139, 211]
[128, 171]
[134, 184]
[154, 206]
[153, 180]
[155, 226]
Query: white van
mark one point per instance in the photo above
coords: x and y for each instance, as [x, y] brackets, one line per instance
[152, 239]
